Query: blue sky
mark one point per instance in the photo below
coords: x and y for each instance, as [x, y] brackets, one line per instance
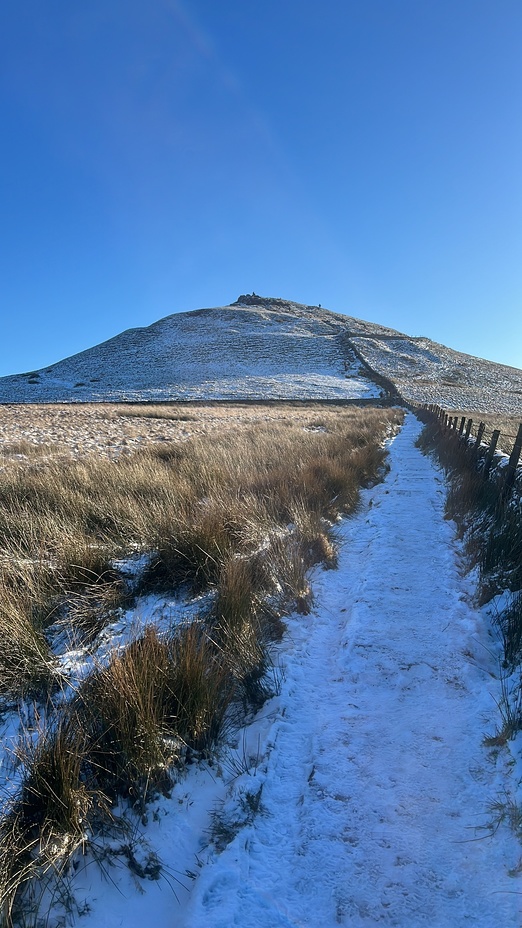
[163, 155]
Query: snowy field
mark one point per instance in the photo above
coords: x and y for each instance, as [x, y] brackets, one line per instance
[362, 794]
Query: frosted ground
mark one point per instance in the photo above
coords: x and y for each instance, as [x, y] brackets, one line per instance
[426, 372]
[112, 430]
[268, 348]
[226, 353]
[362, 794]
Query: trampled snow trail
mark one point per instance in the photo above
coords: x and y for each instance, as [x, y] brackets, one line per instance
[376, 782]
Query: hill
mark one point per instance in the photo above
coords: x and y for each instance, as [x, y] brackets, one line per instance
[268, 348]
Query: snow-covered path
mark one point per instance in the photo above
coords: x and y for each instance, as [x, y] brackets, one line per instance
[376, 781]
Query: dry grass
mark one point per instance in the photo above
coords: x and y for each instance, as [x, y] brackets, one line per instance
[50, 818]
[244, 513]
[149, 704]
[75, 430]
[490, 520]
[26, 664]
[195, 504]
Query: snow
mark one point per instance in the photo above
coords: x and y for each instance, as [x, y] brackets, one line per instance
[222, 353]
[268, 349]
[76, 660]
[361, 794]
[426, 372]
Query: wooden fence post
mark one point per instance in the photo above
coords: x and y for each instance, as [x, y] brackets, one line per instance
[511, 469]
[491, 451]
[480, 433]
[468, 429]
[461, 427]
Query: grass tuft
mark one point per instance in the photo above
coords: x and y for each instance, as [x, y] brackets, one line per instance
[50, 817]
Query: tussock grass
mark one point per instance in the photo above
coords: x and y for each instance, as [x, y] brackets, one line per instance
[150, 703]
[161, 411]
[490, 521]
[245, 515]
[510, 626]
[245, 625]
[26, 664]
[50, 818]
[89, 606]
[195, 504]
[510, 710]
[23, 447]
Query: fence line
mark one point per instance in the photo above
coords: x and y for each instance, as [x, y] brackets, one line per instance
[481, 441]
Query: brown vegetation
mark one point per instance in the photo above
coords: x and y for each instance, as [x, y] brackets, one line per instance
[243, 514]
[489, 517]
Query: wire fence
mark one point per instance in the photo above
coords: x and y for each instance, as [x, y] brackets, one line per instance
[507, 428]
[487, 438]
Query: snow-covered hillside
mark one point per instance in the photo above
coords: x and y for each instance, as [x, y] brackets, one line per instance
[426, 372]
[238, 352]
[267, 348]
